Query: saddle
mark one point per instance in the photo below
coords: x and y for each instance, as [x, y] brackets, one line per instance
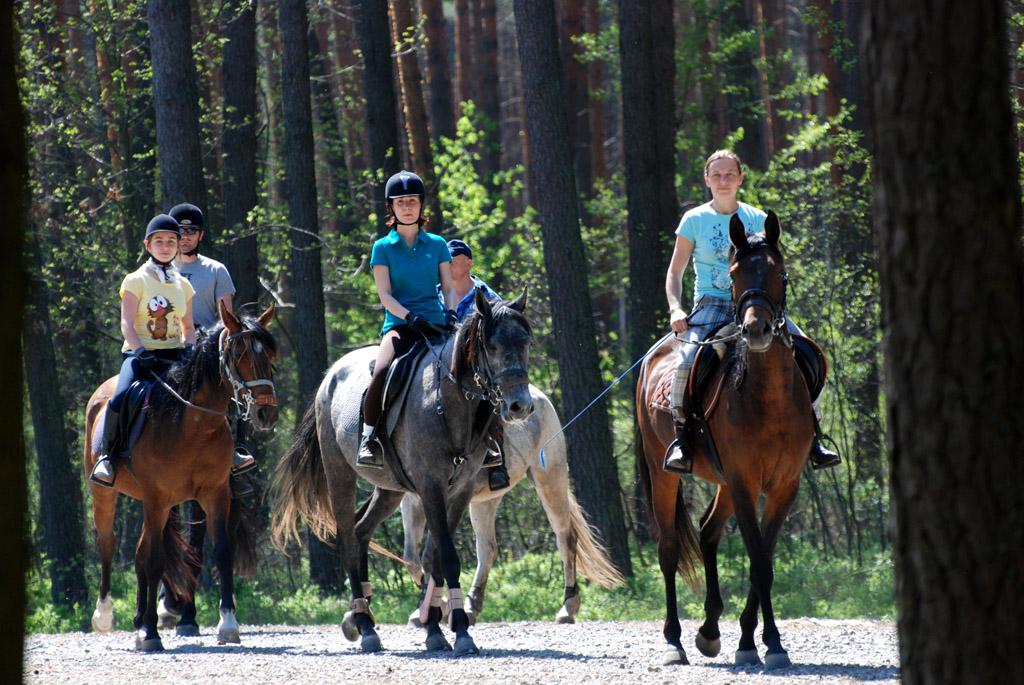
[131, 420]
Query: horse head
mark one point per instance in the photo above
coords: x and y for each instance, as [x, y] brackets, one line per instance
[492, 353]
[759, 280]
[247, 352]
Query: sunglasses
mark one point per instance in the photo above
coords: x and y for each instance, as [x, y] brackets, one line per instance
[190, 231]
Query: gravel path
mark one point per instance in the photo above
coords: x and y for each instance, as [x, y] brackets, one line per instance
[625, 652]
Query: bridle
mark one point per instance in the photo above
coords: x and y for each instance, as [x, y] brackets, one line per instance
[241, 390]
[759, 297]
[484, 376]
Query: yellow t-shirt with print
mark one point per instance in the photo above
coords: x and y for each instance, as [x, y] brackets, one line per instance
[162, 306]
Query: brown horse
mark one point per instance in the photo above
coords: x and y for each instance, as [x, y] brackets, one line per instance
[183, 453]
[762, 428]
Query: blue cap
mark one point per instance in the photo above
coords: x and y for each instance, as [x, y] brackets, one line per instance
[163, 222]
[457, 247]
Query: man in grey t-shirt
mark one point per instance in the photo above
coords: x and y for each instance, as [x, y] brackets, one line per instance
[212, 283]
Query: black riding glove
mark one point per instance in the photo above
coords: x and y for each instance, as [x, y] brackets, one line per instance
[419, 324]
[451, 319]
[145, 358]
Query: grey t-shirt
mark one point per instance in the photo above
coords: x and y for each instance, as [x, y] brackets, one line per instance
[211, 281]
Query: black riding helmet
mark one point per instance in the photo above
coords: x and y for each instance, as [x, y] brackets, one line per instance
[163, 222]
[402, 184]
[187, 215]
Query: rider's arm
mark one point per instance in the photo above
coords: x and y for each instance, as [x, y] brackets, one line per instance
[382, 278]
[444, 270]
[129, 309]
[188, 326]
[674, 283]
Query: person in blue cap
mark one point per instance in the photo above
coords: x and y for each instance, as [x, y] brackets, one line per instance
[156, 321]
[408, 264]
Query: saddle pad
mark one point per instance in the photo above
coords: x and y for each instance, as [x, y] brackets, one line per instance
[418, 357]
[661, 399]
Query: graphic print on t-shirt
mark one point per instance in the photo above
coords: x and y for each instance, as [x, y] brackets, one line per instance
[158, 308]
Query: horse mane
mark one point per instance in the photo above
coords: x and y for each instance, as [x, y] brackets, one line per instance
[467, 339]
[190, 374]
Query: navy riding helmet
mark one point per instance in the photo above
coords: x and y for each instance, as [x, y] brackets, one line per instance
[402, 184]
[162, 222]
[187, 215]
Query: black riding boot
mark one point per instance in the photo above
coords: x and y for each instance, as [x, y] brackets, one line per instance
[370, 451]
[820, 457]
[678, 456]
[105, 471]
[497, 475]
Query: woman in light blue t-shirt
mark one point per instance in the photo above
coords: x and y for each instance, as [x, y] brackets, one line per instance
[703, 235]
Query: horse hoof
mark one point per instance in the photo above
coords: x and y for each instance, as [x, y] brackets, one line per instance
[414, 619]
[227, 636]
[227, 628]
[103, 617]
[370, 643]
[349, 628]
[436, 643]
[166, 617]
[709, 648]
[144, 644]
[776, 660]
[564, 616]
[471, 617]
[747, 657]
[674, 656]
[464, 645]
[186, 630]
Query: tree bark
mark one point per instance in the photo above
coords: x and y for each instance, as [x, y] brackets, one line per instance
[439, 80]
[417, 132]
[13, 187]
[60, 494]
[241, 256]
[948, 227]
[592, 465]
[329, 124]
[379, 88]
[489, 88]
[595, 107]
[576, 95]
[463, 54]
[176, 100]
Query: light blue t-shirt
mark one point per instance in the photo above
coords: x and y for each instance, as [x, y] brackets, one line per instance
[468, 304]
[709, 232]
[414, 274]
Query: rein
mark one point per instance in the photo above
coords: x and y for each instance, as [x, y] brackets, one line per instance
[759, 297]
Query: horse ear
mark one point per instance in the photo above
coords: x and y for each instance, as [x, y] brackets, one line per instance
[483, 305]
[737, 233]
[267, 315]
[772, 229]
[230, 321]
[519, 304]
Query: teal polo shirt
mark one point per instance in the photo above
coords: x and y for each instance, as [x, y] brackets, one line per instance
[414, 274]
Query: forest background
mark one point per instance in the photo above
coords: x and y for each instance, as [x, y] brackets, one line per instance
[135, 106]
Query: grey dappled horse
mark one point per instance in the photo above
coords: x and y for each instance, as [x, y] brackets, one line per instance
[579, 549]
[440, 438]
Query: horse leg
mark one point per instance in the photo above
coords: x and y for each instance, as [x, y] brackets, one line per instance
[217, 507]
[414, 523]
[482, 515]
[664, 487]
[552, 487]
[712, 524]
[382, 504]
[777, 505]
[149, 568]
[104, 504]
[186, 624]
[746, 517]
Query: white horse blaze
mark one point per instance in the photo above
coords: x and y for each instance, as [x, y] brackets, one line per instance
[103, 617]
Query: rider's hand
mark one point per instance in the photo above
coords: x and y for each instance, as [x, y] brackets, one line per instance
[419, 324]
[678, 321]
[451, 319]
[145, 358]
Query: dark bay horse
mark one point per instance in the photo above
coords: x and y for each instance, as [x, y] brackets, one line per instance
[183, 453]
[762, 428]
[440, 439]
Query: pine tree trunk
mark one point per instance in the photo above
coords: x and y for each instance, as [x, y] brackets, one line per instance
[176, 100]
[241, 256]
[381, 122]
[439, 80]
[308, 328]
[595, 107]
[329, 124]
[488, 86]
[576, 96]
[463, 54]
[592, 464]
[60, 494]
[948, 230]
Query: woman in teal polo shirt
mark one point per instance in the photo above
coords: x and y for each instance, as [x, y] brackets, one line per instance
[407, 265]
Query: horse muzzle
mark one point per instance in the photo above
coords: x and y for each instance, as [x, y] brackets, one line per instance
[516, 403]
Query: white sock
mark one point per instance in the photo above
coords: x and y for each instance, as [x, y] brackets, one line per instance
[367, 429]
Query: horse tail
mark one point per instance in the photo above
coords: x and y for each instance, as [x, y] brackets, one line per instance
[689, 543]
[299, 488]
[243, 521]
[180, 560]
[592, 560]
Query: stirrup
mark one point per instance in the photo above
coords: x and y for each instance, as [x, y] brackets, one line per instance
[94, 474]
[493, 458]
[242, 461]
[369, 454]
[678, 459]
[497, 478]
[822, 458]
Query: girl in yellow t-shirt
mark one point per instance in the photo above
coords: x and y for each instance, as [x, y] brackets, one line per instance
[156, 321]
